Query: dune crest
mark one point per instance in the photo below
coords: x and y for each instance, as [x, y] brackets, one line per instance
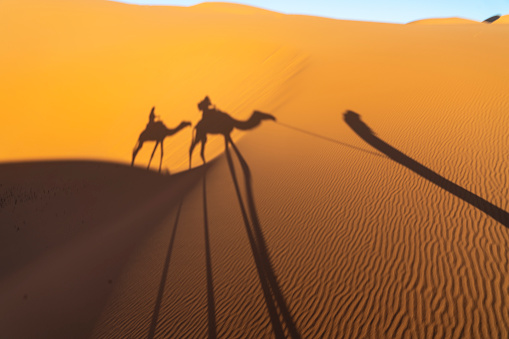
[232, 8]
[504, 19]
[443, 21]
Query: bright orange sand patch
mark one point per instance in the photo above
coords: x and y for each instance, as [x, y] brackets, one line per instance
[356, 243]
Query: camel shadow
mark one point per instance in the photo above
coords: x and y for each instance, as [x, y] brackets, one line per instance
[358, 126]
[215, 121]
[277, 307]
[156, 131]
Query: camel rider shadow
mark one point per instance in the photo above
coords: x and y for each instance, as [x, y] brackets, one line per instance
[156, 131]
[216, 122]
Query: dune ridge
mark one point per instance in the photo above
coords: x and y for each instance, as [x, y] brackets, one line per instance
[443, 21]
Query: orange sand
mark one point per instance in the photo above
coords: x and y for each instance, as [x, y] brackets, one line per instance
[360, 246]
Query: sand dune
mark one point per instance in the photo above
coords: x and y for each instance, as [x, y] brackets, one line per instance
[504, 19]
[492, 19]
[316, 227]
[444, 21]
[231, 8]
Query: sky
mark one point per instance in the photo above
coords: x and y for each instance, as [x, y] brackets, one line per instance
[395, 11]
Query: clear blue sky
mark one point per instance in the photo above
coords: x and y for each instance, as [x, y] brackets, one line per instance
[399, 11]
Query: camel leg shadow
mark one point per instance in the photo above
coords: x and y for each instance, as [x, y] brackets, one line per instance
[162, 284]
[211, 305]
[203, 140]
[153, 152]
[137, 148]
[273, 295]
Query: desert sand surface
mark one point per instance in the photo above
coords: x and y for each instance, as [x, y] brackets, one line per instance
[374, 207]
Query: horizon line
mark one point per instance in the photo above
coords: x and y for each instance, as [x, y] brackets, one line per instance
[135, 3]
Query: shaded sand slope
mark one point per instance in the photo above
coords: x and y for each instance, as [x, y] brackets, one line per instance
[88, 73]
[67, 229]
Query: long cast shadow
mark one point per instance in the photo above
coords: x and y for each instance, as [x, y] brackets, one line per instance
[358, 126]
[157, 307]
[274, 298]
[211, 305]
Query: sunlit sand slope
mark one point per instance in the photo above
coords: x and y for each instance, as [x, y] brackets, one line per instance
[392, 224]
[504, 19]
[80, 77]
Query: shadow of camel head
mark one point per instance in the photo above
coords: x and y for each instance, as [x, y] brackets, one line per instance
[263, 116]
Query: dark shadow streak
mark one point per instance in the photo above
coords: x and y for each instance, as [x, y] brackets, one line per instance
[358, 126]
[262, 248]
[271, 307]
[259, 246]
[162, 284]
[329, 139]
[210, 283]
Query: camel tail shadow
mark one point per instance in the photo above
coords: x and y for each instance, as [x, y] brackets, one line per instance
[358, 126]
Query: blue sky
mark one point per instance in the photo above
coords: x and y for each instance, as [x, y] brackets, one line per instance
[399, 11]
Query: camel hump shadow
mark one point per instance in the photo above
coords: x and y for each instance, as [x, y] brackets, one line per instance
[215, 121]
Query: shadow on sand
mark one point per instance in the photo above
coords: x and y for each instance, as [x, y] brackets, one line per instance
[274, 299]
[208, 263]
[217, 122]
[162, 284]
[156, 131]
[358, 126]
[211, 305]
